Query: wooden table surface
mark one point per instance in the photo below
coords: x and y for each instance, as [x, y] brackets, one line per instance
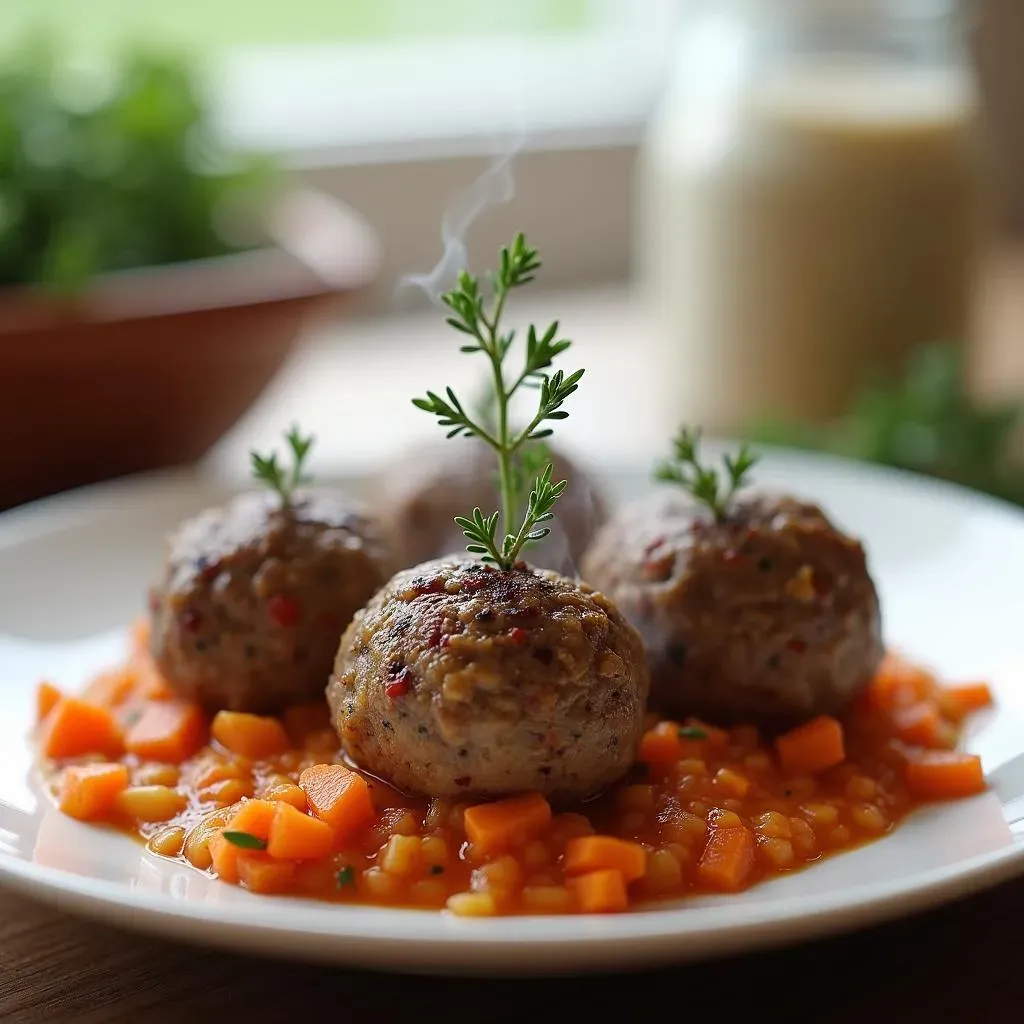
[960, 963]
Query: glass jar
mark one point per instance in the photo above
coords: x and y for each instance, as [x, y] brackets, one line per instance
[809, 201]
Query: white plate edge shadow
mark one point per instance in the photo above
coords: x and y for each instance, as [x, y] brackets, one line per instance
[424, 941]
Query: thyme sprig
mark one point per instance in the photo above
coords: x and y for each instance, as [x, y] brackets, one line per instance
[703, 482]
[481, 322]
[266, 468]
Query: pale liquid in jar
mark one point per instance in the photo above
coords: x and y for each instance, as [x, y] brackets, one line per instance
[821, 228]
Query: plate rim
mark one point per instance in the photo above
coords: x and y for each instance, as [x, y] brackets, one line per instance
[372, 937]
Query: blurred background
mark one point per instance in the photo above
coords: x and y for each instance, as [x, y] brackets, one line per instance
[800, 221]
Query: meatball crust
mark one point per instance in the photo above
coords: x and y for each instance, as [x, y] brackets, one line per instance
[769, 616]
[463, 679]
[418, 497]
[253, 597]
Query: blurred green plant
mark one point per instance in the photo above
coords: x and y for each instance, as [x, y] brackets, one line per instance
[925, 422]
[110, 170]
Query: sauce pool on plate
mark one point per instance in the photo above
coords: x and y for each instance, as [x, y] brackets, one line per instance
[267, 803]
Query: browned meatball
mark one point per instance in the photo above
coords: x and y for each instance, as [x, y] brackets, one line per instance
[253, 598]
[460, 678]
[418, 497]
[769, 617]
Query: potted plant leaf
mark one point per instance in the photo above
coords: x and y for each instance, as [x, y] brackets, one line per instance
[151, 282]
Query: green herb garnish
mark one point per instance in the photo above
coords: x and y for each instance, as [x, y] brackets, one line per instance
[512, 446]
[245, 840]
[346, 876]
[926, 421]
[686, 470]
[285, 482]
[691, 732]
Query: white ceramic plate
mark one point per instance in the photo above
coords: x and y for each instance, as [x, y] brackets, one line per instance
[949, 566]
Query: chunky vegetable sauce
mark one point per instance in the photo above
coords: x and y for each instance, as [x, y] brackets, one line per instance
[267, 803]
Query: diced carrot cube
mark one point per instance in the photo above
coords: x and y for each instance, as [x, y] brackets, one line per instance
[961, 700]
[592, 853]
[254, 817]
[943, 774]
[599, 892]
[918, 724]
[727, 860]
[225, 859]
[75, 727]
[338, 796]
[811, 747]
[167, 731]
[495, 826]
[88, 791]
[297, 836]
[47, 698]
[661, 744]
[259, 873]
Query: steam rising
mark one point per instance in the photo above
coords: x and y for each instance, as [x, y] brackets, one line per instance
[495, 185]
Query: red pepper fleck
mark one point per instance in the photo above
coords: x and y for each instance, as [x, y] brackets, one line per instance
[210, 572]
[821, 583]
[517, 635]
[399, 681]
[191, 620]
[732, 557]
[797, 646]
[445, 640]
[657, 570]
[653, 546]
[284, 610]
[463, 780]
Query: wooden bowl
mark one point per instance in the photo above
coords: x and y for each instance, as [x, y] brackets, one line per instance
[150, 367]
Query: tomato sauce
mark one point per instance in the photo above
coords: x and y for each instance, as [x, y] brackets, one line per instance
[704, 809]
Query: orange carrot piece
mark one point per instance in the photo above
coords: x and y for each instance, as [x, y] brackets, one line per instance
[252, 736]
[75, 727]
[497, 825]
[254, 817]
[168, 731]
[297, 836]
[811, 747]
[599, 892]
[338, 796]
[919, 724]
[714, 738]
[594, 853]
[661, 745]
[960, 700]
[47, 698]
[727, 860]
[943, 775]
[898, 683]
[224, 855]
[111, 689]
[259, 873]
[88, 791]
[667, 742]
